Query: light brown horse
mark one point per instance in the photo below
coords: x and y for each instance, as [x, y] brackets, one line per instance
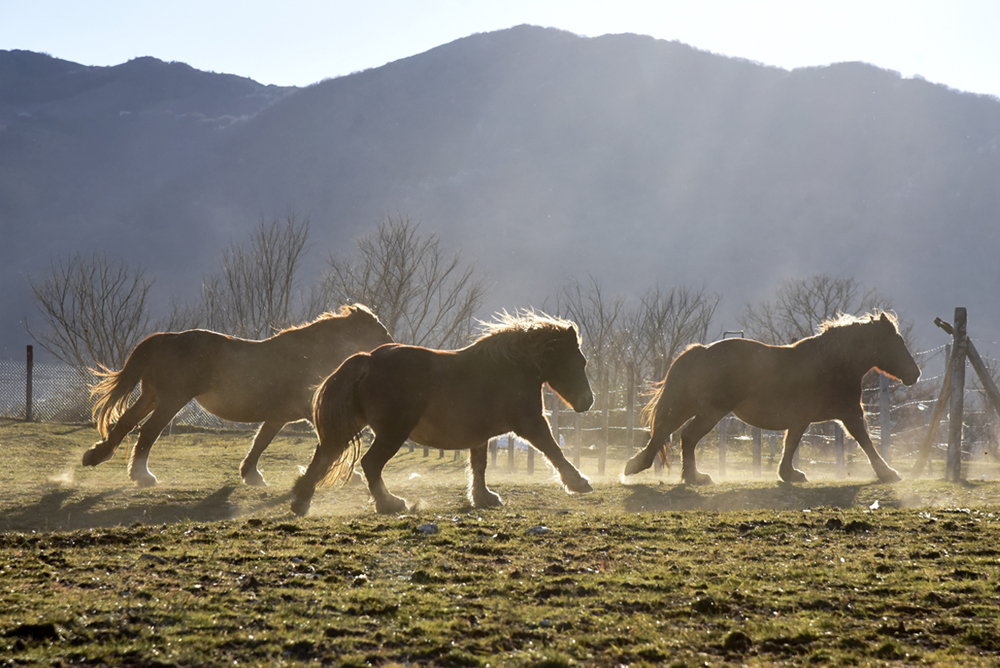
[270, 381]
[777, 387]
[453, 400]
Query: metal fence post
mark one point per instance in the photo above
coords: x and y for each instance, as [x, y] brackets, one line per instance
[29, 371]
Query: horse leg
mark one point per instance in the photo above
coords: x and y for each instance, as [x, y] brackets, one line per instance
[380, 452]
[105, 450]
[540, 436]
[248, 469]
[479, 494]
[855, 425]
[138, 469]
[690, 435]
[304, 488]
[659, 437]
[785, 470]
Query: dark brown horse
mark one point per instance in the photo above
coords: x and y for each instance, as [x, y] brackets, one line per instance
[777, 387]
[245, 381]
[453, 400]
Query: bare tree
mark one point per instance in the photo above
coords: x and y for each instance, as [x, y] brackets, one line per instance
[800, 305]
[422, 295]
[599, 319]
[666, 322]
[597, 315]
[254, 293]
[94, 310]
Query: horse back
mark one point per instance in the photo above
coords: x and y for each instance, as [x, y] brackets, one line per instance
[727, 370]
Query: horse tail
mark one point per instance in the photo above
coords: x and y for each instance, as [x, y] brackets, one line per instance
[649, 411]
[339, 419]
[112, 392]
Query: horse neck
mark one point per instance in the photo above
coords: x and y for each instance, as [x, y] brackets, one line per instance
[315, 337]
[492, 354]
[854, 350]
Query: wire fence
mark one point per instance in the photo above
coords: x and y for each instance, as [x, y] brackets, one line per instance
[612, 428]
[61, 393]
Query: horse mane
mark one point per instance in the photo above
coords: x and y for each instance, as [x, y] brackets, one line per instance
[522, 336]
[846, 320]
[341, 313]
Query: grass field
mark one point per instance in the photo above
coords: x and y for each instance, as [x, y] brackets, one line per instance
[203, 570]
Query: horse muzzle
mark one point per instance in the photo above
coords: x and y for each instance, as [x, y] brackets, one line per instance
[583, 402]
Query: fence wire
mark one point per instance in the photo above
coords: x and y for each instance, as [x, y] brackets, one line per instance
[61, 393]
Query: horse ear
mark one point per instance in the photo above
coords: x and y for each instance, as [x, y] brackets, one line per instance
[883, 318]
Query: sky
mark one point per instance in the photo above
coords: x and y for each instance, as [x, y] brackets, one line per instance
[299, 42]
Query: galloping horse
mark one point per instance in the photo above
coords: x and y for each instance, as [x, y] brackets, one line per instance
[451, 400]
[777, 387]
[245, 381]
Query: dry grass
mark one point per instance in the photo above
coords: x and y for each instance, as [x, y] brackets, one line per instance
[205, 571]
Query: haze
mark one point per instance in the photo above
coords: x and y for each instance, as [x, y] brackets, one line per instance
[300, 42]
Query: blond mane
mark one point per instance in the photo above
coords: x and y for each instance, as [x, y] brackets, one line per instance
[521, 336]
[846, 320]
[342, 312]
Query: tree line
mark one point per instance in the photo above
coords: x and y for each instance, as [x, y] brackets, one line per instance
[95, 309]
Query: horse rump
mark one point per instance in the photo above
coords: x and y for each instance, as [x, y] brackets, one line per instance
[112, 392]
[338, 420]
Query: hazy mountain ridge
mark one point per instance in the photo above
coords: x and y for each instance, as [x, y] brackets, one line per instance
[541, 154]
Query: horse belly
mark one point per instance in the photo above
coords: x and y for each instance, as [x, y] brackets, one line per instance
[241, 405]
[777, 412]
[450, 430]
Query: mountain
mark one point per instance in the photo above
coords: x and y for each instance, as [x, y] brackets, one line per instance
[540, 154]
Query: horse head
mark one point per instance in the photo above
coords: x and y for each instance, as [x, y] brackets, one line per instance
[891, 354]
[367, 330]
[566, 371]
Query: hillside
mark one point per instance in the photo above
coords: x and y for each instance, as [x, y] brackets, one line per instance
[542, 155]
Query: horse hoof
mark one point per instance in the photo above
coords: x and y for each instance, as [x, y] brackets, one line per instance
[487, 500]
[582, 486]
[94, 456]
[146, 481]
[254, 479]
[300, 507]
[890, 476]
[390, 506]
[793, 476]
[698, 479]
[635, 465]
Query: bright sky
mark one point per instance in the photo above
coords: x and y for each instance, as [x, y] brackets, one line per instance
[298, 42]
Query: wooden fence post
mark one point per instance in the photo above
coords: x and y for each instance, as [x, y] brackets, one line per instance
[578, 446]
[554, 401]
[602, 453]
[630, 412]
[28, 381]
[510, 453]
[884, 417]
[953, 472]
[723, 434]
[756, 451]
[493, 452]
[926, 451]
[838, 449]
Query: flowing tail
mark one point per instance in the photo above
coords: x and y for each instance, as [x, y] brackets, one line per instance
[660, 415]
[112, 392]
[339, 419]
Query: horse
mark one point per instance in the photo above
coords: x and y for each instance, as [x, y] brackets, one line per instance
[448, 399]
[270, 381]
[816, 379]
